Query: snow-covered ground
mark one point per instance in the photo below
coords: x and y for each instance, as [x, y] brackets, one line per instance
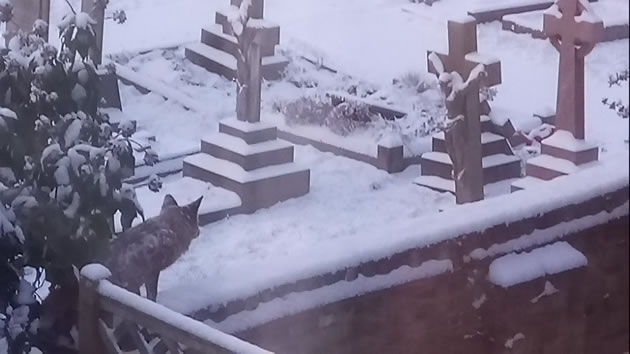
[351, 207]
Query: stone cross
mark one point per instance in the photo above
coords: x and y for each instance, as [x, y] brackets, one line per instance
[249, 78]
[256, 9]
[26, 12]
[464, 141]
[96, 10]
[573, 31]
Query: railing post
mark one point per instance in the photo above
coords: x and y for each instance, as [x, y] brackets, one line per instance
[90, 341]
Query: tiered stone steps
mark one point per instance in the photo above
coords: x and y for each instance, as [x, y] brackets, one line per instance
[498, 160]
[248, 159]
[218, 48]
[561, 155]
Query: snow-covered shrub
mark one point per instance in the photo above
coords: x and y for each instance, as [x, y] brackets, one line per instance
[620, 106]
[312, 110]
[347, 117]
[418, 82]
[62, 167]
[317, 110]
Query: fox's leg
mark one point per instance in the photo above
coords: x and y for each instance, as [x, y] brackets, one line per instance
[152, 286]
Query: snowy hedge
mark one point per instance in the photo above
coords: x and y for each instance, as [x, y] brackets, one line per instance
[62, 166]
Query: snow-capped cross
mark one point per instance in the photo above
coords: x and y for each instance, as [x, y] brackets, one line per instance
[460, 72]
[574, 31]
[256, 9]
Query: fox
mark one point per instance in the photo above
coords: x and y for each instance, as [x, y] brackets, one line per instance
[138, 255]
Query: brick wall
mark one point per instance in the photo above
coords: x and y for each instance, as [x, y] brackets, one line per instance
[436, 315]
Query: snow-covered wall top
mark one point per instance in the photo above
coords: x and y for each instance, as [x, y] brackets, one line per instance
[389, 243]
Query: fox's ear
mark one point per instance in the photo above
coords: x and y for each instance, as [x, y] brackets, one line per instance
[193, 208]
[169, 201]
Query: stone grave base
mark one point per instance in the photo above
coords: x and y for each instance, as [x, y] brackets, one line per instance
[498, 160]
[561, 155]
[248, 159]
[217, 50]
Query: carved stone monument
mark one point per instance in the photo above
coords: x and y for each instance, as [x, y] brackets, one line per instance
[574, 32]
[246, 156]
[468, 153]
[218, 48]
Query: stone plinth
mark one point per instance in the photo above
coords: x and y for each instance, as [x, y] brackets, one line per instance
[561, 155]
[218, 47]
[248, 159]
[498, 160]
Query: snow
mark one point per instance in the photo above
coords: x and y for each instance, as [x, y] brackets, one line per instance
[565, 140]
[185, 191]
[299, 302]
[391, 213]
[509, 344]
[318, 241]
[236, 173]
[7, 113]
[177, 320]
[556, 232]
[558, 164]
[514, 268]
[95, 272]
[549, 290]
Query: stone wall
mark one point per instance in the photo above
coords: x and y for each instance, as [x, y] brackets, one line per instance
[436, 315]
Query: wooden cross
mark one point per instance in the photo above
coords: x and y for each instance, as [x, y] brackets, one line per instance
[574, 32]
[256, 9]
[465, 139]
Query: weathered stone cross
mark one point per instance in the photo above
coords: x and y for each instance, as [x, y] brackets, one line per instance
[249, 83]
[573, 31]
[464, 141]
[256, 9]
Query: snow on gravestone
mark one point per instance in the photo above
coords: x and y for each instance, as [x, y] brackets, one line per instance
[460, 73]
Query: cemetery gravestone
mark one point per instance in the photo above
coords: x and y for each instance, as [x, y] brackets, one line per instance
[574, 32]
[218, 48]
[467, 153]
[246, 156]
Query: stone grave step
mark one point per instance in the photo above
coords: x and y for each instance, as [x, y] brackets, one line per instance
[491, 144]
[224, 64]
[525, 183]
[248, 156]
[436, 183]
[213, 36]
[563, 145]
[251, 133]
[257, 189]
[547, 167]
[495, 167]
[486, 124]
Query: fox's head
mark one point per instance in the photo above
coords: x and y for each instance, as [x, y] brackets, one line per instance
[190, 212]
